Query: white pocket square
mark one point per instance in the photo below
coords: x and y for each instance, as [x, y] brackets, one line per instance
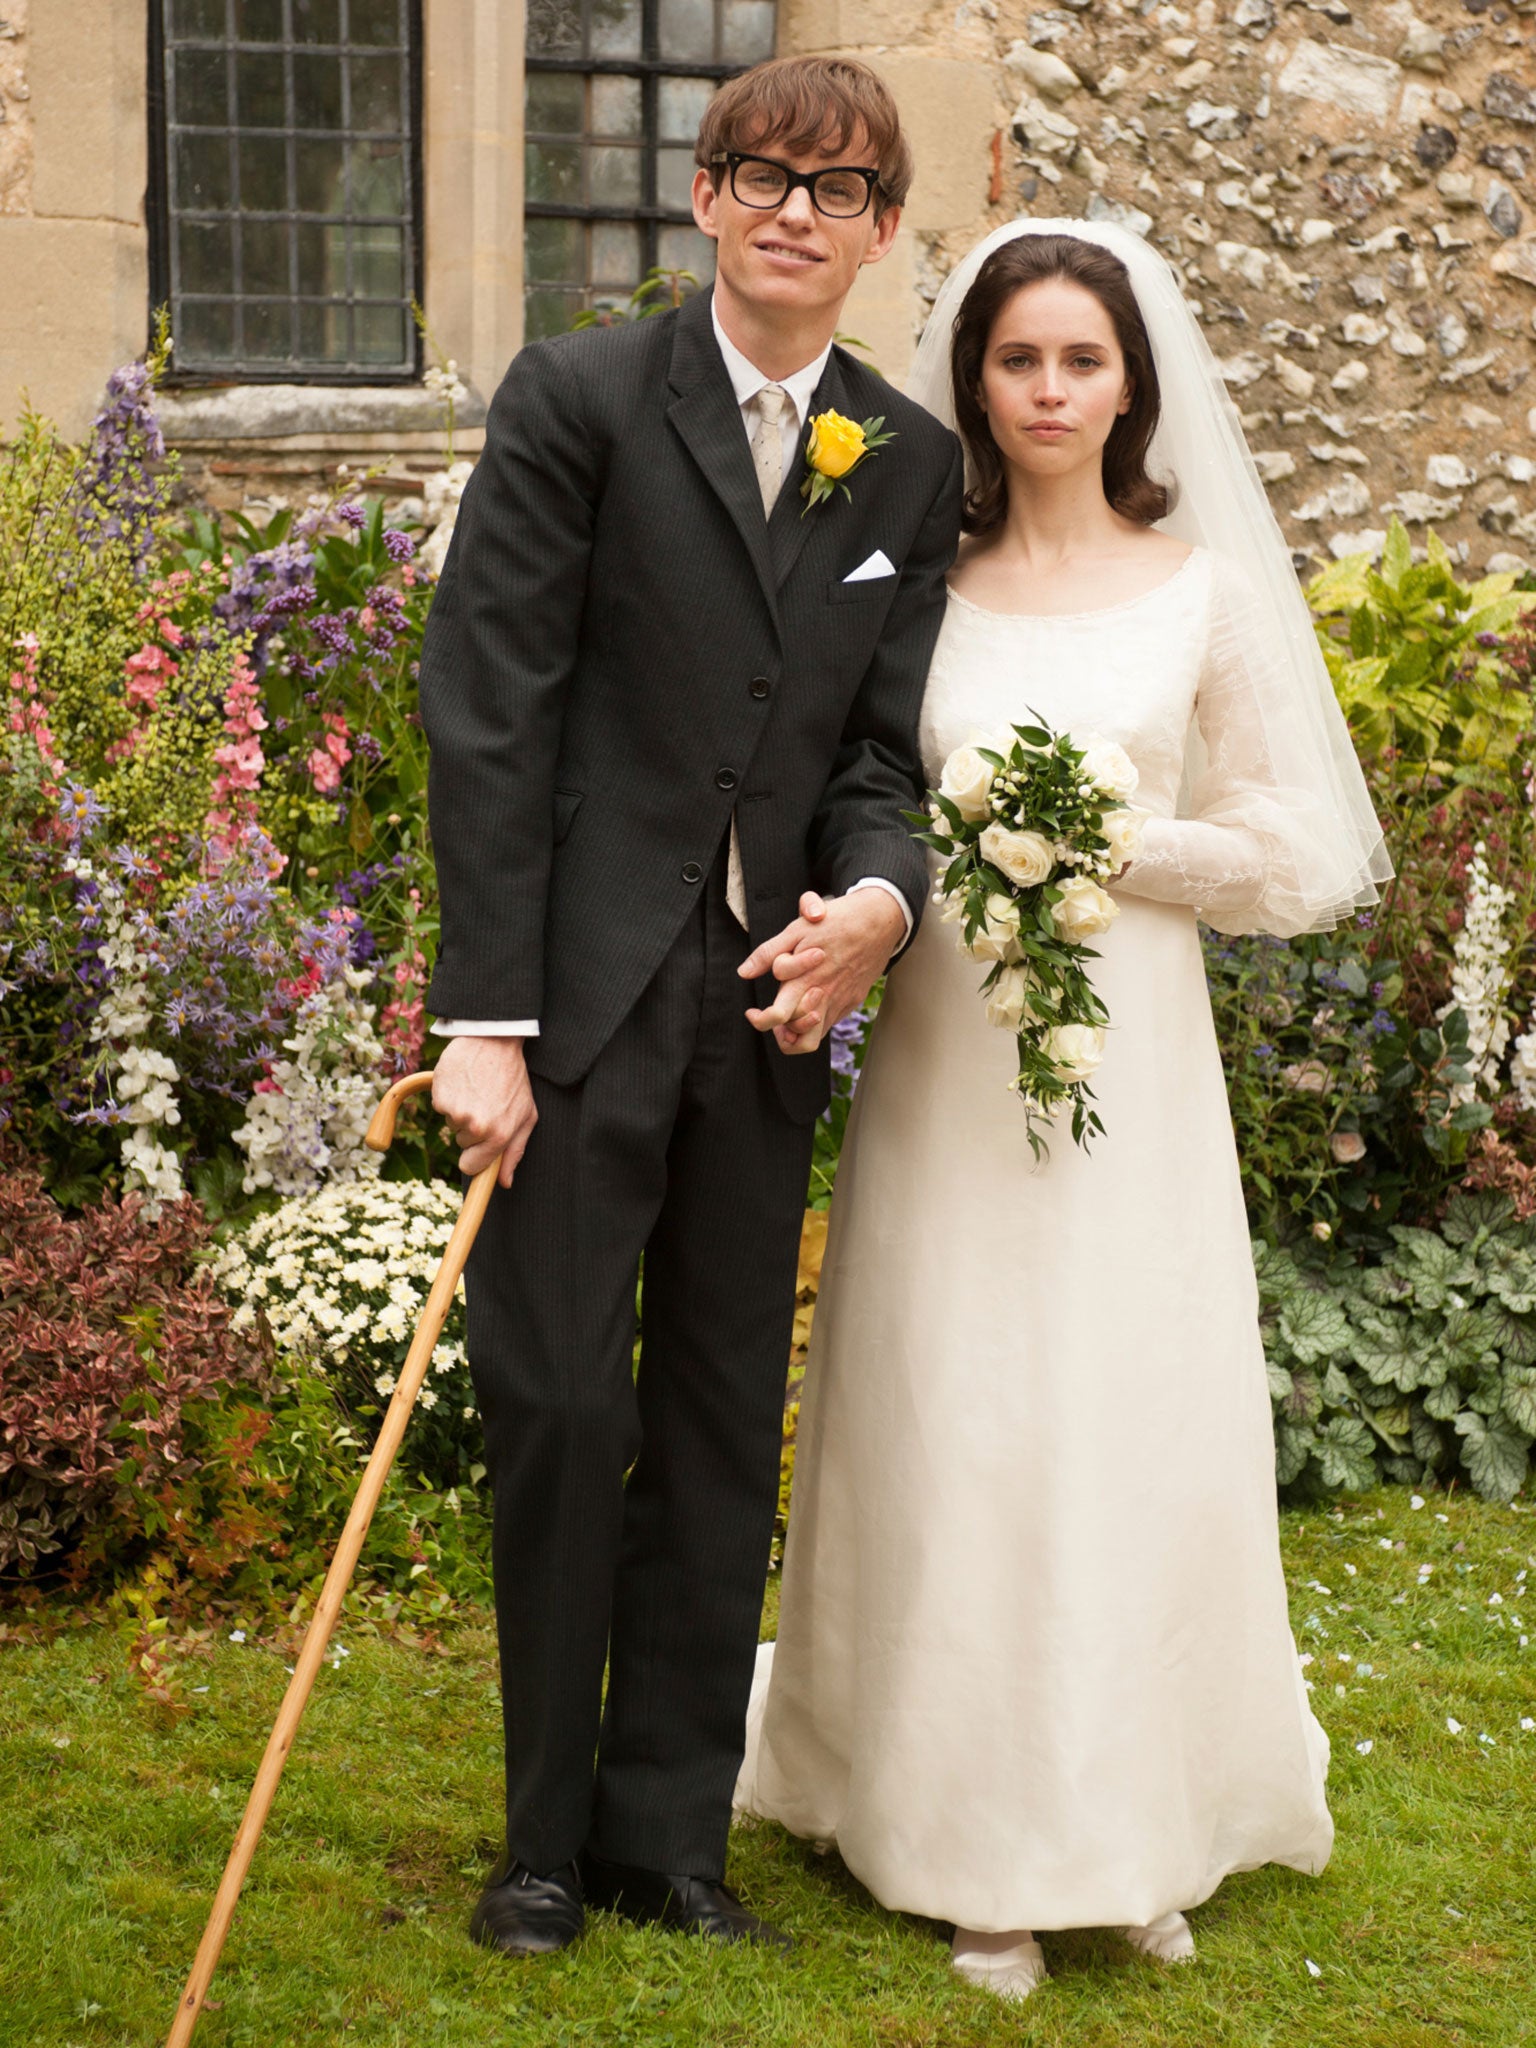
[879, 564]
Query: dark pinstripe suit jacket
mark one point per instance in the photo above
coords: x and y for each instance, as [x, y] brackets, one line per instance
[622, 650]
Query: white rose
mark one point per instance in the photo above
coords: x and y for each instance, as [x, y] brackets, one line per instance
[1084, 911]
[1075, 1050]
[998, 937]
[967, 782]
[1008, 998]
[1109, 766]
[1347, 1147]
[1024, 857]
[1123, 831]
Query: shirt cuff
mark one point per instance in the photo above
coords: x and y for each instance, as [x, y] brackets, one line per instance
[890, 888]
[460, 1027]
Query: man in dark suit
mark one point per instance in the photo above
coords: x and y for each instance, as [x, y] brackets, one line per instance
[673, 709]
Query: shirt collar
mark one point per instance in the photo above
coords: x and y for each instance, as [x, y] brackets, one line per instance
[747, 380]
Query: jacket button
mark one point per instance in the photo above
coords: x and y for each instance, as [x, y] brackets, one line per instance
[759, 686]
[692, 872]
[725, 778]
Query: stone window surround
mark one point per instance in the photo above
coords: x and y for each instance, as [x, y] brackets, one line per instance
[472, 178]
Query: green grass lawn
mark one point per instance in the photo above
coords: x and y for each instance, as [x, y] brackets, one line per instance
[1423, 1930]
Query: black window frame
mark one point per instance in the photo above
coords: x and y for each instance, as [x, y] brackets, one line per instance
[273, 370]
[650, 67]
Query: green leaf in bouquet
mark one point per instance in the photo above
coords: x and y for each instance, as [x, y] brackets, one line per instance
[1519, 1405]
[1281, 1383]
[1294, 1444]
[1494, 1454]
[1314, 1325]
[1346, 1454]
[1033, 735]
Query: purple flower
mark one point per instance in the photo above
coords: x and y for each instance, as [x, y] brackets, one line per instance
[843, 1039]
[398, 545]
[352, 514]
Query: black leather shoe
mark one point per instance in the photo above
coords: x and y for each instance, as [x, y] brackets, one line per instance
[524, 1915]
[653, 1898]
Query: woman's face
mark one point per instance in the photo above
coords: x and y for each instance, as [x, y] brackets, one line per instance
[1053, 379]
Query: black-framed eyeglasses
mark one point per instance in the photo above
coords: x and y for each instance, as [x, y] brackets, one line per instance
[841, 191]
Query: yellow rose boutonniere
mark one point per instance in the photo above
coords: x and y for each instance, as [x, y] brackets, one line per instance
[835, 449]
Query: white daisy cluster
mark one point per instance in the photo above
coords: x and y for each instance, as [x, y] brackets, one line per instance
[1480, 979]
[307, 1121]
[342, 1275]
[142, 1080]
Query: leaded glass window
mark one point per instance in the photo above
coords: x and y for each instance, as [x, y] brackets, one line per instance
[614, 94]
[288, 176]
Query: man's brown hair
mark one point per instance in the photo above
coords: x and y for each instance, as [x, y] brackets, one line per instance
[801, 104]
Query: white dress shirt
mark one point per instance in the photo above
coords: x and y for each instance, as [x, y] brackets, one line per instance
[746, 381]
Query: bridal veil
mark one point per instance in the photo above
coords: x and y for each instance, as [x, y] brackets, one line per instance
[1327, 856]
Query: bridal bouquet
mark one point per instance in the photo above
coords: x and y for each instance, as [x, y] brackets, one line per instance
[1031, 827]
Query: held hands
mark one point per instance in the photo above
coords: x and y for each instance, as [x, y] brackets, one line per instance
[481, 1087]
[826, 962]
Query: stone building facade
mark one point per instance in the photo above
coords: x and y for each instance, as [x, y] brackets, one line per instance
[1345, 187]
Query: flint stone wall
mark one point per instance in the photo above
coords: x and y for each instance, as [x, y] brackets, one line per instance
[1345, 188]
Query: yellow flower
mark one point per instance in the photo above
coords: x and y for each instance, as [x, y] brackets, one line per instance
[836, 445]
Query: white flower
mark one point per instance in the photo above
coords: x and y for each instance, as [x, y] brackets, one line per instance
[1365, 1747]
[1109, 767]
[1008, 999]
[1453, 1724]
[1084, 911]
[998, 937]
[1026, 858]
[1075, 1050]
[1480, 980]
[967, 782]
[1308, 1077]
[1123, 829]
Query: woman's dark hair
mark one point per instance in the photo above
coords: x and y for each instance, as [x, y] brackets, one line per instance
[1029, 259]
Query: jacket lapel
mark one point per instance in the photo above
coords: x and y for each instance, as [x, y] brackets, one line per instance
[705, 413]
[790, 527]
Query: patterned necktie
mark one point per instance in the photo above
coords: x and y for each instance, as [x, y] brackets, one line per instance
[768, 444]
[768, 461]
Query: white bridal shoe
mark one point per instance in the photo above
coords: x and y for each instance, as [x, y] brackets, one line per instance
[1007, 1965]
[1167, 1940]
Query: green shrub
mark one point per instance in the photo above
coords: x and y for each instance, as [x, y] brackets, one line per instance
[1420, 1367]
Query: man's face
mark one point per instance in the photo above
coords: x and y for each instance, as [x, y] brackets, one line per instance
[791, 261]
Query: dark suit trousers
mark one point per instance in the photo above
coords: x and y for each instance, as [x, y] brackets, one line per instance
[675, 1145]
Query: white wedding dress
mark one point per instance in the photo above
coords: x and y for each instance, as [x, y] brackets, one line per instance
[1034, 1666]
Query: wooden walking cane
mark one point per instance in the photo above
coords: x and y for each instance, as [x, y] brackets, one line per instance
[381, 1133]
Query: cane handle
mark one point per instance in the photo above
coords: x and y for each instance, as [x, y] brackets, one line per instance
[380, 1134]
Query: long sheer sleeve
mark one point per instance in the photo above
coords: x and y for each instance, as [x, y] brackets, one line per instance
[1259, 844]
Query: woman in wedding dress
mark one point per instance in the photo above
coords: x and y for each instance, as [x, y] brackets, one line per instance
[1034, 1668]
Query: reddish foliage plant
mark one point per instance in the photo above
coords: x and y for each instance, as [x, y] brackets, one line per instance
[113, 1344]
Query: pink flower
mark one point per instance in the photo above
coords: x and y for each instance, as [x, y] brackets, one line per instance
[324, 772]
[148, 672]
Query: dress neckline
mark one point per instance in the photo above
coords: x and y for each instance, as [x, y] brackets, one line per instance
[1102, 611]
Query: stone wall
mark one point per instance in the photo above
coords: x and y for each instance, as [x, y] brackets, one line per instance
[73, 161]
[1345, 187]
